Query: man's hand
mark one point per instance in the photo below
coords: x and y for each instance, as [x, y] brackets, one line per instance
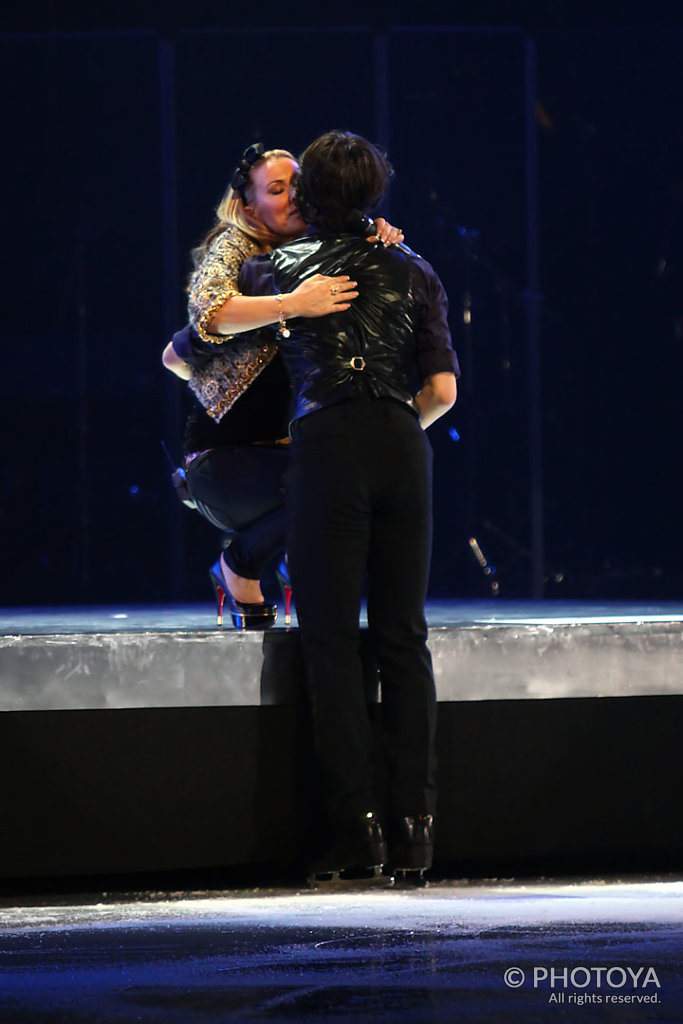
[175, 364]
[437, 396]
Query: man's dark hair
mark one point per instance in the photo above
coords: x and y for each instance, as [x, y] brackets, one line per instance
[340, 172]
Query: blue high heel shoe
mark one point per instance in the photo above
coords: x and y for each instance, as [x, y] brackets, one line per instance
[282, 574]
[244, 616]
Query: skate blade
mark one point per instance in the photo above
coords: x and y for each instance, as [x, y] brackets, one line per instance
[349, 878]
[409, 878]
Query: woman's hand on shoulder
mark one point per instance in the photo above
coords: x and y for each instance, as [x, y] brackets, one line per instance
[386, 233]
[320, 295]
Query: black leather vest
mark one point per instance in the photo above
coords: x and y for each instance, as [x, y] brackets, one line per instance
[368, 350]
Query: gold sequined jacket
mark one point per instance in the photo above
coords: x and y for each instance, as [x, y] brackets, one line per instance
[239, 358]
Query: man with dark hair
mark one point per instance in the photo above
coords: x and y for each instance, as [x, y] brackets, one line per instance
[359, 502]
[337, 175]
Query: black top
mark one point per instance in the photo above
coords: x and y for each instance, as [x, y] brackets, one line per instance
[260, 414]
[393, 335]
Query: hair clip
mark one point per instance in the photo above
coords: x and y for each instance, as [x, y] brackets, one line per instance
[240, 177]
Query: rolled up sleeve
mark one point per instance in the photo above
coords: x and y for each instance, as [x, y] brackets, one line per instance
[433, 336]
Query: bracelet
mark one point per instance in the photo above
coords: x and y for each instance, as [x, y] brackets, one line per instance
[283, 329]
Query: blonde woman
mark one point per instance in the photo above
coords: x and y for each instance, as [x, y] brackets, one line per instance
[235, 444]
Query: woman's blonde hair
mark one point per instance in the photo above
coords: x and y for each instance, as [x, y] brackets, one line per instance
[230, 212]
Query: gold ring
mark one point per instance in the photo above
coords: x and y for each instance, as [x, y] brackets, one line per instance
[333, 289]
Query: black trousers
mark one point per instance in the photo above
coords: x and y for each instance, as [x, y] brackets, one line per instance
[239, 489]
[359, 500]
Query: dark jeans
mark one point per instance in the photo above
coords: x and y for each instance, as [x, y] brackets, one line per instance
[239, 489]
[359, 498]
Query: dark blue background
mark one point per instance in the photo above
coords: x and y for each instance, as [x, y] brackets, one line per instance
[120, 128]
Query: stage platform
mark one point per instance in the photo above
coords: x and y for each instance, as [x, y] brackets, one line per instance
[137, 739]
[175, 656]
